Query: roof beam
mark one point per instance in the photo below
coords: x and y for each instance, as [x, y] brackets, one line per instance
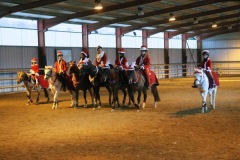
[172, 34]
[210, 30]
[54, 21]
[26, 6]
[200, 14]
[205, 36]
[92, 27]
[154, 31]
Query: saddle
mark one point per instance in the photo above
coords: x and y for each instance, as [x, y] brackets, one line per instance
[152, 77]
[212, 79]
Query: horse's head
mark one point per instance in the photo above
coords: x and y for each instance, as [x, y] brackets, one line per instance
[198, 76]
[131, 75]
[105, 73]
[72, 68]
[21, 76]
[47, 72]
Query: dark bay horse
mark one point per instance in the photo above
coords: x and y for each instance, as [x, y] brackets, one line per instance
[116, 82]
[26, 79]
[97, 81]
[136, 82]
[80, 82]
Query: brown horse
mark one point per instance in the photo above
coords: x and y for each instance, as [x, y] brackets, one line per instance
[29, 85]
[137, 83]
[97, 81]
[117, 82]
[80, 82]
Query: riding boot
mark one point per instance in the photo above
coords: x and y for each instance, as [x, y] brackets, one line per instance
[63, 82]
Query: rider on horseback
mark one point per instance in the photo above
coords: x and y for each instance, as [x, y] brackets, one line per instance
[34, 71]
[61, 68]
[101, 57]
[84, 58]
[121, 63]
[143, 62]
[207, 66]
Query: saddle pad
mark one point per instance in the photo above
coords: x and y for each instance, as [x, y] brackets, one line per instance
[153, 78]
[216, 79]
[42, 82]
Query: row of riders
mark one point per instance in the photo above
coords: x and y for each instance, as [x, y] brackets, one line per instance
[120, 76]
[120, 81]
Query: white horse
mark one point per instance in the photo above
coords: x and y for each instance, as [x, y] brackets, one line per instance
[55, 86]
[202, 82]
[29, 85]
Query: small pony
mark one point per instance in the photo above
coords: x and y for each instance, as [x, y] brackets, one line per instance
[137, 82]
[26, 79]
[202, 82]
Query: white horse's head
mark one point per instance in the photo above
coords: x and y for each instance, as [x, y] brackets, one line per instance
[198, 76]
[47, 72]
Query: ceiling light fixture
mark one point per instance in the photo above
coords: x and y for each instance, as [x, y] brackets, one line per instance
[140, 11]
[214, 25]
[195, 21]
[98, 5]
[172, 18]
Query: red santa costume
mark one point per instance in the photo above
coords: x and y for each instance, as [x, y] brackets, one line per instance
[85, 59]
[121, 60]
[143, 61]
[35, 69]
[207, 62]
[101, 57]
[60, 65]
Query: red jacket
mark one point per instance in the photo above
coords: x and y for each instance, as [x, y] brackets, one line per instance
[121, 62]
[62, 66]
[143, 61]
[207, 65]
[35, 68]
[101, 60]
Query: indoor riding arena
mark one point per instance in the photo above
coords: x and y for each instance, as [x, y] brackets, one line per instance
[176, 129]
[174, 50]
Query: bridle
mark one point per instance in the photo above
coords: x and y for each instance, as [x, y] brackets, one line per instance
[201, 77]
[49, 75]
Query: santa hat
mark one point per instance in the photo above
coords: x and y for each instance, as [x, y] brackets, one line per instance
[98, 47]
[205, 52]
[34, 60]
[121, 50]
[85, 53]
[59, 54]
[143, 48]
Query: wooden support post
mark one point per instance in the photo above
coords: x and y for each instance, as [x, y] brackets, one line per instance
[199, 49]
[84, 37]
[166, 54]
[184, 55]
[42, 60]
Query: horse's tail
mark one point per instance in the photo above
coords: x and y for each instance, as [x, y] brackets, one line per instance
[45, 92]
[155, 93]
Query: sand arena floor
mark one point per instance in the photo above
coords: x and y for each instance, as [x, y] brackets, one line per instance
[175, 130]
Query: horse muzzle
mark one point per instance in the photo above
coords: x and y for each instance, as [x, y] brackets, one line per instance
[130, 81]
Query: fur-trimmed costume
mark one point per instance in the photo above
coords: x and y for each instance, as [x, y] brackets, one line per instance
[101, 59]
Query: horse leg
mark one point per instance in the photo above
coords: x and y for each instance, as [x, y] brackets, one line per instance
[72, 95]
[155, 95]
[56, 97]
[124, 96]
[85, 98]
[214, 97]
[144, 97]
[46, 94]
[131, 95]
[139, 97]
[115, 98]
[76, 98]
[110, 95]
[204, 104]
[98, 97]
[29, 93]
[92, 96]
[38, 94]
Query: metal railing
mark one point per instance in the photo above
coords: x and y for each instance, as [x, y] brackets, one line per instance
[8, 77]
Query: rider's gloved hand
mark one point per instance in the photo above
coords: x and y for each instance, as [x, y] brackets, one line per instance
[142, 67]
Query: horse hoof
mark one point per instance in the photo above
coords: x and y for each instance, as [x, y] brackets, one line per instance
[113, 110]
[99, 106]
[76, 107]
[202, 109]
[138, 110]
[206, 109]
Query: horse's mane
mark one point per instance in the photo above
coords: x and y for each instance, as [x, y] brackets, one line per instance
[198, 70]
